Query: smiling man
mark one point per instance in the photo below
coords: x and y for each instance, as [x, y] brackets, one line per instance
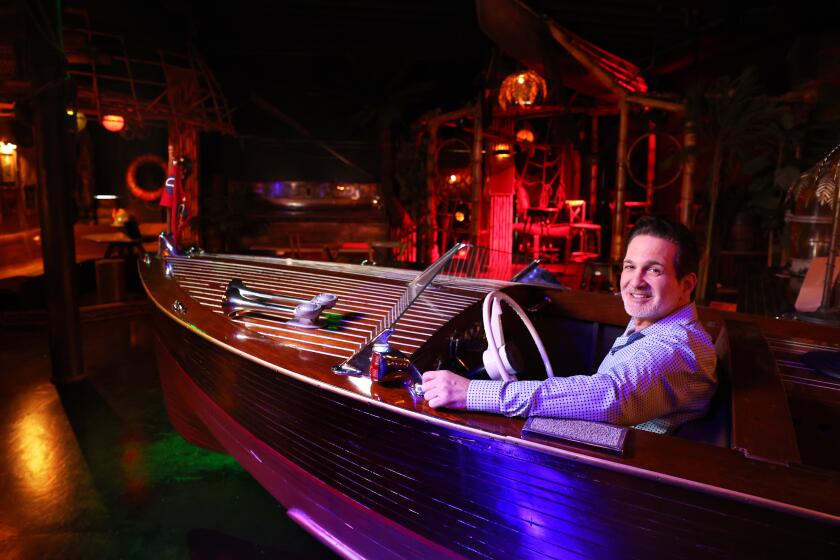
[658, 374]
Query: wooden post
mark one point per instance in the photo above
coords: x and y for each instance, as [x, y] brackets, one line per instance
[593, 170]
[54, 198]
[651, 167]
[432, 252]
[654, 103]
[477, 174]
[828, 283]
[617, 246]
[386, 164]
[687, 188]
[21, 201]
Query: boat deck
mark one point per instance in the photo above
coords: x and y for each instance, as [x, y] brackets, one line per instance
[363, 302]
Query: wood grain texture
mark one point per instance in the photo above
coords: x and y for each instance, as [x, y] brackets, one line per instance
[468, 482]
[488, 497]
[761, 421]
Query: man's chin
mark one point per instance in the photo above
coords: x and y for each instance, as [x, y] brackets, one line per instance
[638, 311]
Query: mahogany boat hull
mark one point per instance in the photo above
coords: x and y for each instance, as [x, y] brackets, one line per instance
[374, 482]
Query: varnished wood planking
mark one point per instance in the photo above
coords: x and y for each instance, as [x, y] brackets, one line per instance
[761, 421]
[472, 479]
[362, 303]
[672, 457]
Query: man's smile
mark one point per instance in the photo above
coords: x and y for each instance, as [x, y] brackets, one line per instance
[637, 295]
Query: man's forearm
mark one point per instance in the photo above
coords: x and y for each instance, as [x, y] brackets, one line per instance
[584, 397]
[511, 398]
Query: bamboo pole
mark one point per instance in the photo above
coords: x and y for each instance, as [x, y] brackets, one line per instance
[687, 187]
[650, 178]
[828, 284]
[431, 252]
[438, 119]
[654, 103]
[477, 175]
[617, 247]
[705, 262]
[593, 170]
[21, 192]
[551, 111]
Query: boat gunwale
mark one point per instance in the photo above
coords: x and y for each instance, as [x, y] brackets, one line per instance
[460, 421]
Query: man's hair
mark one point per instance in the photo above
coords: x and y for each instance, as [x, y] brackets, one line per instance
[687, 257]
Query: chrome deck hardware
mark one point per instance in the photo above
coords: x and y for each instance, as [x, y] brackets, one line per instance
[377, 359]
[327, 301]
[239, 299]
[165, 247]
[389, 364]
[383, 364]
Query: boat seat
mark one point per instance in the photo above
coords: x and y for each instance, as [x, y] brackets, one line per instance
[715, 428]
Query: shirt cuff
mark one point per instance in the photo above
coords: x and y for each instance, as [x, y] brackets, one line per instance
[484, 395]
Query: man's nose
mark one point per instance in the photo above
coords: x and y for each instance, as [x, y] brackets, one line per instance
[637, 278]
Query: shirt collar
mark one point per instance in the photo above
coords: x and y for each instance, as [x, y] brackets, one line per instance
[680, 316]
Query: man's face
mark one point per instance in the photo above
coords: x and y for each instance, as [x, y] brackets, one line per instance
[649, 285]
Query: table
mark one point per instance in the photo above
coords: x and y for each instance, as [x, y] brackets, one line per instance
[119, 244]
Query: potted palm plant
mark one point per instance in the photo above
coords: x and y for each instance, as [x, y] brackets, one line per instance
[739, 128]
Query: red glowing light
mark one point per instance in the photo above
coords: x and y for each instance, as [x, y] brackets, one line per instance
[113, 123]
[502, 151]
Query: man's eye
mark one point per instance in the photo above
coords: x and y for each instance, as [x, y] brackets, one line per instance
[655, 271]
[628, 266]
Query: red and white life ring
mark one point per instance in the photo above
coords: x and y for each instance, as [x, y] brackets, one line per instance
[131, 177]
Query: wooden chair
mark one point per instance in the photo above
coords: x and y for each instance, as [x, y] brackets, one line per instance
[583, 229]
[535, 221]
[576, 226]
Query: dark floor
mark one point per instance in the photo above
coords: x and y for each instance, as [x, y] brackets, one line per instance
[94, 470]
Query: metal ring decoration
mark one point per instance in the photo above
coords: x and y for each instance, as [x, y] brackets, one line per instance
[131, 177]
[633, 147]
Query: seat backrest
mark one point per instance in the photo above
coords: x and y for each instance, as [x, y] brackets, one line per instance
[715, 428]
[577, 211]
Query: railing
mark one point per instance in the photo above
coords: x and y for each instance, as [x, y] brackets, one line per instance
[482, 262]
[471, 261]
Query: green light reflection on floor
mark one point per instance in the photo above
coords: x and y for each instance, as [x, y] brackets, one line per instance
[170, 457]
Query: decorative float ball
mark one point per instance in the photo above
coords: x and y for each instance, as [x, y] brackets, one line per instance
[113, 123]
[521, 89]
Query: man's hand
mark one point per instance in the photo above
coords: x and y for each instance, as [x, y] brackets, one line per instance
[442, 388]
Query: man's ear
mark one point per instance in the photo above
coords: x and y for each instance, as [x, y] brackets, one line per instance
[688, 283]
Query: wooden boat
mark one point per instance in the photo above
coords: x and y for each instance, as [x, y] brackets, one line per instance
[374, 472]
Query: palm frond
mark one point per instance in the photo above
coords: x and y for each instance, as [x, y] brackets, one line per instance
[825, 191]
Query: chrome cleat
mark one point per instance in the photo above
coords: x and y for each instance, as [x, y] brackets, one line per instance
[240, 299]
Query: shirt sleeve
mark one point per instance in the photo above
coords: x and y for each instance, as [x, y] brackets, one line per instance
[657, 379]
